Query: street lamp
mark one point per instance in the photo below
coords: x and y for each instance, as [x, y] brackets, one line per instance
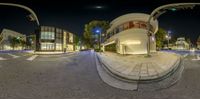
[161, 10]
[168, 37]
[32, 16]
[98, 30]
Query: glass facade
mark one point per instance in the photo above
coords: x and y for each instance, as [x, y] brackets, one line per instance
[47, 46]
[48, 35]
[54, 39]
[70, 38]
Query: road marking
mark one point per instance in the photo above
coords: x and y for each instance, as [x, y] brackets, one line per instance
[14, 56]
[185, 55]
[32, 57]
[1, 58]
[198, 57]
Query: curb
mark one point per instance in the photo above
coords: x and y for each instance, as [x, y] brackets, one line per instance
[111, 81]
[163, 76]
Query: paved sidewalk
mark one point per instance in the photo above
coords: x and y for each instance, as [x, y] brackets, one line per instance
[138, 67]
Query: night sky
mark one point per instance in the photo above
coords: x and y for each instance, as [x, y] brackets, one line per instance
[72, 16]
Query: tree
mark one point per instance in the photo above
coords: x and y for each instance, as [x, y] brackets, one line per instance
[22, 43]
[89, 34]
[1, 38]
[160, 37]
[30, 43]
[14, 42]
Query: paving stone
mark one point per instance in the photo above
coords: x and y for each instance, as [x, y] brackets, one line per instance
[139, 66]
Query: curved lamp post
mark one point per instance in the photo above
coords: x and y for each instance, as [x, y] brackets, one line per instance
[161, 10]
[33, 15]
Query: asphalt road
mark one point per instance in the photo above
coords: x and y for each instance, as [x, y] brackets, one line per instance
[74, 76]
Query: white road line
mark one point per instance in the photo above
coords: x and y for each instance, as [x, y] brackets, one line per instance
[185, 55]
[198, 57]
[32, 57]
[1, 58]
[14, 56]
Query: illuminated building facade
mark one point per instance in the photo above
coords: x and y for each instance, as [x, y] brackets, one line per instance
[54, 39]
[6, 35]
[128, 34]
[181, 44]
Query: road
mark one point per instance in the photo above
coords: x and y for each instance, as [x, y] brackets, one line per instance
[74, 76]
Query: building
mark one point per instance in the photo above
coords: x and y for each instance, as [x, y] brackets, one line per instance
[5, 43]
[198, 43]
[54, 39]
[128, 34]
[181, 44]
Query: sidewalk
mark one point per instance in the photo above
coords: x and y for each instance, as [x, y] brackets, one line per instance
[138, 67]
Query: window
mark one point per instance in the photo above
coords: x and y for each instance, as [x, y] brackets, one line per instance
[137, 24]
[47, 46]
[48, 35]
[131, 25]
[143, 25]
[126, 26]
[120, 28]
[70, 38]
[58, 46]
[116, 30]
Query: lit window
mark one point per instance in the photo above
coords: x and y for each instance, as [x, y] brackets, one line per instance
[48, 35]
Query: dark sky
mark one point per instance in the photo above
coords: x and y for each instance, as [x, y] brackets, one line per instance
[72, 15]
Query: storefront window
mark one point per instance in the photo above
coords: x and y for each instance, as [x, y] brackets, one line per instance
[58, 46]
[47, 46]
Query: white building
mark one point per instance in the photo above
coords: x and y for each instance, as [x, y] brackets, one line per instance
[128, 34]
[4, 41]
[181, 44]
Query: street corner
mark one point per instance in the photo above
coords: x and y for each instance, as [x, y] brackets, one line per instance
[138, 68]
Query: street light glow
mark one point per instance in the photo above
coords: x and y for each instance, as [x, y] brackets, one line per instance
[97, 31]
[173, 9]
[98, 7]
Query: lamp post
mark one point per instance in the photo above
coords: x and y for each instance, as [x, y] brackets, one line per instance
[161, 10]
[32, 16]
[168, 37]
[98, 30]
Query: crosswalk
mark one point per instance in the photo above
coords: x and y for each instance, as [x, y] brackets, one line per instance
[197, 57]
[9, 56]
[1, 58]
[32, 58]
[185, 55]
[14, 56]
